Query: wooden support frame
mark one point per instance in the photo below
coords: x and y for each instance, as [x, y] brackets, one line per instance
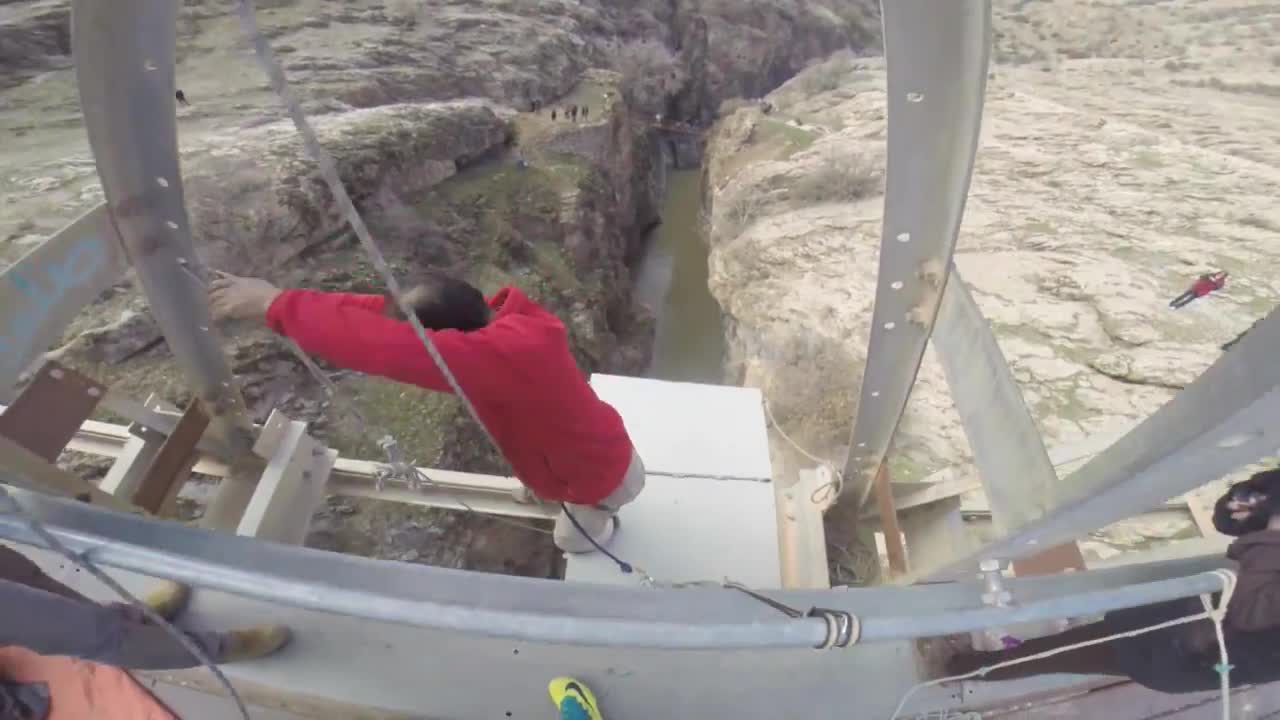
[49, 478]
[889, 522]
[802, 542]
[135, 458]
[292, 485]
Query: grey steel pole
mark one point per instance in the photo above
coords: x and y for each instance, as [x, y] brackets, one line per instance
[936, 57]
[124, 55]
[734, 622]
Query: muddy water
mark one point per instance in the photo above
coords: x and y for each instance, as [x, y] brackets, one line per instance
[689, 342]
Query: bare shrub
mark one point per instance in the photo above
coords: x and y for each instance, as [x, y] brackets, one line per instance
[827, 74]
[737, 212]
[840, 178]
[404, 13]
[733, 105]
[650, 73]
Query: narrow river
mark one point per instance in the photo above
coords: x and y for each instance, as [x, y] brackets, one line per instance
[689, 342]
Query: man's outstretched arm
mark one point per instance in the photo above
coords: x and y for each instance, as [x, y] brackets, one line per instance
[349, 331]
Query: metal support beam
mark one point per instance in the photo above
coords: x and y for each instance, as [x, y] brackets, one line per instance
[134, 458]
[124, 53]
[1012, 462]
[450, 489]
[936, 54]
[43, 476]
[548, 611]
[1227, 418]
[292, 485]
[44, 290]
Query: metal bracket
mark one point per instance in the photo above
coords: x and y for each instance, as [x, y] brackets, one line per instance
[292, 485]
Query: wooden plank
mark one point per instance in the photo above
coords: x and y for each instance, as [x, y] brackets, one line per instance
[173, 463]
[889, 523]
[908, 495]
[1200, 502]
[1059, 558]
[42, 476]
[141, 446]
[801, 538]
[44, 290]
[50, 410]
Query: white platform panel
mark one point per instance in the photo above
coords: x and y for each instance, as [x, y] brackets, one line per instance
[691, 429]
[687, 529]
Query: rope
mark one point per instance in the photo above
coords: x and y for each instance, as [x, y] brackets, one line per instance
[824, 492]
[329, 171]
[11, 506]
[1217, 615]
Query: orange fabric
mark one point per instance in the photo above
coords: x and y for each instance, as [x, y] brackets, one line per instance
[83, 690]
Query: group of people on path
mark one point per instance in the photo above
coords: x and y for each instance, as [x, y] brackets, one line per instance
[571, 112]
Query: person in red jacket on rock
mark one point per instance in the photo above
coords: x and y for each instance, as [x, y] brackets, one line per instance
[510, 356]
[1203, 285]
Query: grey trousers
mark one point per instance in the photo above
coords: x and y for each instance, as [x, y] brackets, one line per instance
[42, 615]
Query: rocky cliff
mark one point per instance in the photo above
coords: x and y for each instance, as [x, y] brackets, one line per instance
[1111, 173]
[426, 106]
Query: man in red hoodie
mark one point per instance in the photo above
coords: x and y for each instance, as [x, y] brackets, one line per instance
[1203, 285]
[509, 355]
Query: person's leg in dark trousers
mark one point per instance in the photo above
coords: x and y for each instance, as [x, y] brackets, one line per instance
[53, 624]
[1182, 300]
[1091, 660]
[60, 621]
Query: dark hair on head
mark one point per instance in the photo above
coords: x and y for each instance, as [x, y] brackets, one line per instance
[1265, 483]
[443, 302]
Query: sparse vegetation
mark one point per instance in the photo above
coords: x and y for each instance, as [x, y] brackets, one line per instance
[840, 178]
[737, 212]
[650, 74]
[825, 75]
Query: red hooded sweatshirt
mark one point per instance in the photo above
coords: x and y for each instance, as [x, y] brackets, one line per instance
[563, 442]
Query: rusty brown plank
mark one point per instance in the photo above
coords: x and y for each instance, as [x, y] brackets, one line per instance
[50, 410]
[173, 463]
[1056, 559]
[889, 522]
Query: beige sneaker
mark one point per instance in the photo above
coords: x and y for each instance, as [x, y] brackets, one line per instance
[252, 643]
[600, 523]
[168, 599]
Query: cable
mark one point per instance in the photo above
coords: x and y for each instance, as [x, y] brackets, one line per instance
[329, 172]
[371, 430]
[624, 566]
[1215, 614]
[11, 506]
[827, 490]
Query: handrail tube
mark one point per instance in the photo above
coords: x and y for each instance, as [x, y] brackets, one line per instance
[563, 626]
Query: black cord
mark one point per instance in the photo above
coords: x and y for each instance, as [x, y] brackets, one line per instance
[625, 567]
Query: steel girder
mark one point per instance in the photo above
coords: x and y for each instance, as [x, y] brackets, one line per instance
[936, 55]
